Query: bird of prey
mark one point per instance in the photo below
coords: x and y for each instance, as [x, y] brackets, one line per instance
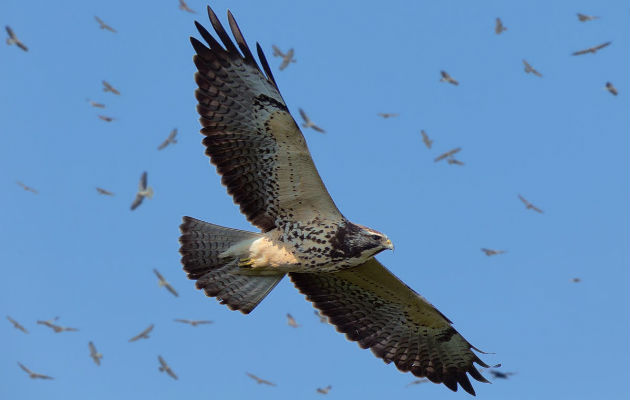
[95, 104]
[308, 123]
[593, 49]
[184, 7]
[27, 188]
[322, 318]
[447, 78]
[96, 356]
[530, 69]
[286, 58]
[324, 390]
[425, 139]
[17, 325]
[454, 161]
[498, 27]
[107, 87]
[387, 115]
[13, 39]
[447, 154]
[576, 280]
[611, 88]
[501, 375]
[103, 25]
[142, 335]
[104, 192]
[491, 252]
[259, 150]
[529, 205]
[57, 328]
[33, 375]
[260, 381]
[193, 322]
[164, 367]
[164, 283]
[417, 382]
[585, 18]
[291, 321]
[169, 140]
[143, 191]
[106, 118]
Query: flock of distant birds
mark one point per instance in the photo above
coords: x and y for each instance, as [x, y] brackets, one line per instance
[145, 191]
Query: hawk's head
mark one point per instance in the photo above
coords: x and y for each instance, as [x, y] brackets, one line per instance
[357, 242]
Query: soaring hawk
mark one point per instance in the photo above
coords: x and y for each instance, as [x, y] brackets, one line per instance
[262, 156]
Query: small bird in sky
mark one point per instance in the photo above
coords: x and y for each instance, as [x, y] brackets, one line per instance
[17, 325]
[292, 322]
[13, 39]
[447, 78]
[27, 188]
[184, 7]
[324, 390]
[143, 191]
[529, 205]
[260, 381]
[425, 139]
[169, 140]
[387, 115]
[33, 375]
[104, 192]
[454, 161]
[193, 322]
[164, 367]
[491, 252]
[322, 318]
[103, 25]
[96, 356]
[576, 280]
[55, 327]
[529, 69]
[107, 87]
[286, 58]
[447, 154]
[164, 283]
[142, 335]
[501, 375]
[417, 382]
[611, 89]
[308, 123]
[106, 118]
[498, 27]
[593, 49]
[95, 104]
[586, 18]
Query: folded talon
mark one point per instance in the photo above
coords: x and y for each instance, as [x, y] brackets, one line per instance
[245, 262]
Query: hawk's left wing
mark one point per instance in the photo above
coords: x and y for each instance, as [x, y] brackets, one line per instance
[373, 307]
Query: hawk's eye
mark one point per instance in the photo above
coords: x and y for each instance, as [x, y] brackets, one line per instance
[376, 237]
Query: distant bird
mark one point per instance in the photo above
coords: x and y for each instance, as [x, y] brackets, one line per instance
[447, 154]
[501, 375]
[417, 382]
[17, 325]
[103, 25]
[576, 280]
[164, 283]
[491, 252]
[193, 322]
[107, 87]
[96, 356]
[104, 192]
[447, 78]
[453, 161]
[184, 7]
[324, 390]
[260, 381]
[611, 88]
[585, 18]
[425, 139]
[143, 191]
[286, 58]
[164, 367]
[529, 205]
[530, 69]
[34, 375]
[498, 27]
[387, 115]
[55, 327]
[13, 39]
[106, 118]
[142, 335]
[593, 49]
[308, 123]
[169, 140]
[27, 188]
[292, 322]
[322, 318]
[95, 104]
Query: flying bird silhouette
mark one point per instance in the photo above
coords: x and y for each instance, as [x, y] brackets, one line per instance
[184, 7]
[13, 39]
[498, 27]
[501, 375]
[417, 382]
[585, 18]
[17, 325]
[164, 283]
[106, 118]
[262, 155]
[292, 322]
[193, 322]
[324, 390]
[322, 318]
[33, 375]
[576, 280]
[57, 328]
[491, 252]
[449, 153]
[107, 87]
[169, 140]
[387, 115]
[143, 191]
[592, 50]
[611, 89]
[27, 188]
[260, 381]
[425, 139]
[96, 356]
[308, 123]
[529, 205]
[142, 335]
[286, 58]
[164, 367]
[453, 161]
[104, 192]
[447, 78]
[95, 104]
[103, 25]
[529, 69]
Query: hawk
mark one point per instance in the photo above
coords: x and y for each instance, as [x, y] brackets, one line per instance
[144, 190]
[260, 381]
[531, 70]
[447, 78]
[164, 367]
[262, 156]
[169, 140]
[103, 25]
[287, 58]
[142, 335]
[96, 356]
[499, 27]
[593, 49]
[13, 39]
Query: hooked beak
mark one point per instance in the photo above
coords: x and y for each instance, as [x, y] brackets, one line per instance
[389, 245]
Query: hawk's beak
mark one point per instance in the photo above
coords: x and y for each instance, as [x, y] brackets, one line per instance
[389, 245]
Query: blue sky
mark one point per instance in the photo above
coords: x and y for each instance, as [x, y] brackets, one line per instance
[560, 140]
